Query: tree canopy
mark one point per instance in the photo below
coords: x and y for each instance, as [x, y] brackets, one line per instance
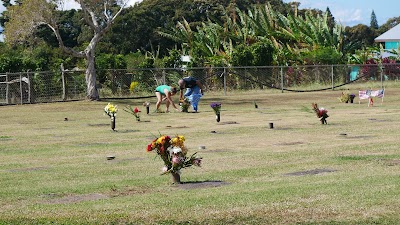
[213, 32]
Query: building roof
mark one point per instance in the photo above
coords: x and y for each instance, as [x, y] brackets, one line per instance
[390, 35]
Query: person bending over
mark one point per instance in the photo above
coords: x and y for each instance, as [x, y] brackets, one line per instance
[194, 90]
[165, 92]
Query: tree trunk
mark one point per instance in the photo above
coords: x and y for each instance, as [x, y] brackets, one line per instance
[90, 76]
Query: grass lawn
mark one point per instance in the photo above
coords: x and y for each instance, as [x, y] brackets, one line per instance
[55, 170]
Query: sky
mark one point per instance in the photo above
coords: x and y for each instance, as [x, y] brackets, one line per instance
[353, 12]
[346, 12]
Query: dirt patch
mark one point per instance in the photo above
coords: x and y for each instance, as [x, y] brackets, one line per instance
[127, 131]
[311, 172]
[228, 122]
[378, 120]
[177, 127]
[128, 191]
[117, 160]
[200, 184]
[393, 162]
[357, 137]
[55, 199]
[281, 128]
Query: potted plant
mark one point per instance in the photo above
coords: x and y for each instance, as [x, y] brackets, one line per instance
[184, 104]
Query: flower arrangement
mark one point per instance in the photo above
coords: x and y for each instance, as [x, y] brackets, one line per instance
[135, 112]
[346, 97]
[184, 104]
[216, 107]
[217, 110]
[321, 113]
[111, 110]
[173, 152]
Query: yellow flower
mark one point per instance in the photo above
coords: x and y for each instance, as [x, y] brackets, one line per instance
[133, 85]
[178, 141]
[110, 108]
[161, 140]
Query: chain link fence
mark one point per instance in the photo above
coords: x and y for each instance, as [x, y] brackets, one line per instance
[35, 87]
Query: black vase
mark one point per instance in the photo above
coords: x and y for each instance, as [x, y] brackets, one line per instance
[113, 122]
[218, 117]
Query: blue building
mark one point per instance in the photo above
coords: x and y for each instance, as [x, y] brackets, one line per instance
[390, 40]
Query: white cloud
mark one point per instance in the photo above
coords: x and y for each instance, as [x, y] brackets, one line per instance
[348, 17]
[71, 4]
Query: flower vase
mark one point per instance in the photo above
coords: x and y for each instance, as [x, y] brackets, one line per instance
[113, 122]
[176, 178]
[218, 117]
[147, 109]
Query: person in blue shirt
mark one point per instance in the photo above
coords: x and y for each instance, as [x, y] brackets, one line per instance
[164, 92]
[194, 90]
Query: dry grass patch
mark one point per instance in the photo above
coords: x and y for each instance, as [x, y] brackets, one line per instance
[57, 171]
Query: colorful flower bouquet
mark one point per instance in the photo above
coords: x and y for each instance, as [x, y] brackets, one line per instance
[111, 111]
[184, 104]
[174, 155]
[217, 110]
[135, 112]
[321, 113]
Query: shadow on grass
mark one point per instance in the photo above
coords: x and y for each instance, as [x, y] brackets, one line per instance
[187, 185]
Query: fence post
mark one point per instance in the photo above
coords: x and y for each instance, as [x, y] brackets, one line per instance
[20, 89]
[28, 75]
[333, 87]
[163, 76]
[282, 79]
[224, 81]
[382, 76]
[7, 90]
[64, 93]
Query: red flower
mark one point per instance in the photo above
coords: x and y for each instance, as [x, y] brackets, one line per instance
[149, 147]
